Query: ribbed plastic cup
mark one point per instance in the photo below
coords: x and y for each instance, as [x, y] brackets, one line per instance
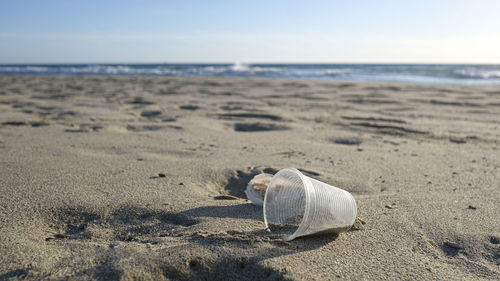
[297, 205]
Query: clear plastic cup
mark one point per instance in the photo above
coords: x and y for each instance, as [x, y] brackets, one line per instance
[297, 205]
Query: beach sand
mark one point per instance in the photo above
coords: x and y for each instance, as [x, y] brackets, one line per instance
[122, 178]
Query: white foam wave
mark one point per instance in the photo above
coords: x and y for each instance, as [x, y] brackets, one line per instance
[238, 66]
[478, 74]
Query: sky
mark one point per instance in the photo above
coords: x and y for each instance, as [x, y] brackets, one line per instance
[356, 31]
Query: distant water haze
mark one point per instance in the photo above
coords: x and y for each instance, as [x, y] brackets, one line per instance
[463, 74]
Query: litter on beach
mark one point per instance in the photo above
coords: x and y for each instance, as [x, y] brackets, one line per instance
[296, 205]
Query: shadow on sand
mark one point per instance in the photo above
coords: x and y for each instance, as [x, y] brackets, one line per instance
[233, 254]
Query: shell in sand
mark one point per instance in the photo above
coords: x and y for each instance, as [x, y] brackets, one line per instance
[256, 188]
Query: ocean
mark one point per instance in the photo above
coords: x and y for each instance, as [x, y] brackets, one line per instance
[457, 74]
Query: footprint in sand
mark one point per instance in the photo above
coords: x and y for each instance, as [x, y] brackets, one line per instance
[151, 113]
[142, 128]
[347, 141]
[258, 127]
[189, 107]
[232, 116]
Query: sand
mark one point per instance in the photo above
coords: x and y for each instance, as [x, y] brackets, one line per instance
[126, 178]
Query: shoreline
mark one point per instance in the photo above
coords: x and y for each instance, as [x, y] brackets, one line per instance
[379, 83]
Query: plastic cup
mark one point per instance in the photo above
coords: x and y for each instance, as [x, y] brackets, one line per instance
[297, 205]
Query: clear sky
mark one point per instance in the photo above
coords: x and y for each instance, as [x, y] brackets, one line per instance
[419, 31]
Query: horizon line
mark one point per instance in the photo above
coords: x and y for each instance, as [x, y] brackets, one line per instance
[246, 63]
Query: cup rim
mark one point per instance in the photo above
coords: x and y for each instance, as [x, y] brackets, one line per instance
[307, 185]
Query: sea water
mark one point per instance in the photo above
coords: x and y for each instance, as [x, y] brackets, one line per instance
[460, 74]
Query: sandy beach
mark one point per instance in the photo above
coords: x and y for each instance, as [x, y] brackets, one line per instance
[121, 178]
